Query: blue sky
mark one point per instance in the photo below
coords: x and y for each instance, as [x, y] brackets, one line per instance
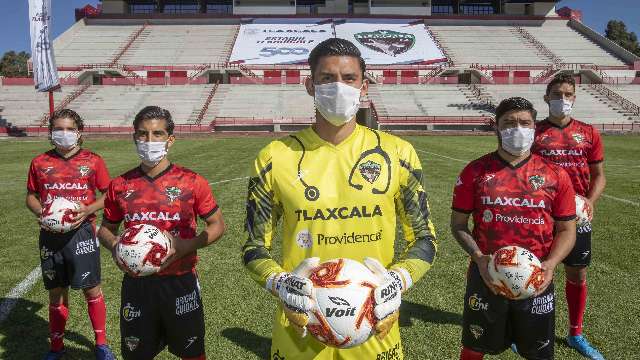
[15, 27]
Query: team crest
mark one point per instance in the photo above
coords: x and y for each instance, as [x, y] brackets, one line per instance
[476, 331]
[370, 171]
[536, 181]
[50, 274]
[388, 42]
[132, 342]
[172, 192]
[83, 170]
[577, 137]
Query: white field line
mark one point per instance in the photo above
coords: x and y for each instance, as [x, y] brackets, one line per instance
[442, 156]
[621, 200]
[228, 180]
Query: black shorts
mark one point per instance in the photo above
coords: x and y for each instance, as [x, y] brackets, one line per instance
[159, 311]
[580, 255]
[491, 323]
[70, 259]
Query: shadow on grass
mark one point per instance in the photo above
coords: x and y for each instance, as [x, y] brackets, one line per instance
[25, 335]
[259, 345]
[410, 311]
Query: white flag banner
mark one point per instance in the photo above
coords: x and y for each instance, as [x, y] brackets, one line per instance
[45, 74]
[385, 42]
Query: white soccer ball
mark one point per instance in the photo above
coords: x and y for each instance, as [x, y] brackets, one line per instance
[343, 316]
[58, 214]
[142, 248]
[584, 213]
[516, 272]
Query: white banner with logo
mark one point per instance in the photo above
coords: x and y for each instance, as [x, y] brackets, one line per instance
[278, 43]
[384, 42]
[45, 73]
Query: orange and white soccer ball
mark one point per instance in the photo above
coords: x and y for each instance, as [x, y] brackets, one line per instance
[57, 215]
[343, 316]
[584, 212]
[142, 249]
[516, 272]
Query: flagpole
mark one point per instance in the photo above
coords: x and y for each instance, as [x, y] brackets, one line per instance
[51, 105]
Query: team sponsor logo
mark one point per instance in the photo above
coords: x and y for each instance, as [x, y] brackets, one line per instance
[129, 312]
[370, 171]
[304, 240]
[578, 138]
[543, 344]
[584, 228]
[542, 304]
[132, 342]
[190, 341]
[83, 170]
[128, 193]
[187, 303]
[85, 247]
[519, 220]
[50, 274]
[536, 181]
[388, 42]
[47, 170]
[585, 254]
[345, 238]
[509, 201]
[338, 213]
[341, 311]
[172, 192]
[476, 330]
[487, 177]
[152, 216]
[277, 356]
[45, 253]
[561, 152]
[487, 216]
[84, 276]
[476, 304]
[394, 353]
[66, 186]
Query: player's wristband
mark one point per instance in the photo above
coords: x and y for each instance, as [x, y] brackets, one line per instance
[403, 276]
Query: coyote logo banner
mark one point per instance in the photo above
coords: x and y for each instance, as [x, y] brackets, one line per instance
[45, 75]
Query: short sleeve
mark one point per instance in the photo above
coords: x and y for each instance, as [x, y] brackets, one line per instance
[112, 211]
[564, 204]
[32, 179]
[102, 175]
[596, 152]
[205, 204]
[463, 199]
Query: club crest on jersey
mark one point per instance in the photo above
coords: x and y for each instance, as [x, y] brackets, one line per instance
[370, 171]
[132, 342]
[172, 192]
[476, 331]
[83, 170]
[577, 137]
[536, 181]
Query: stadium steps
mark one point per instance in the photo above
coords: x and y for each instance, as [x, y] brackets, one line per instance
[531, 40]
[614, 100]
[140, 34]
[479, 96]
[375, 97]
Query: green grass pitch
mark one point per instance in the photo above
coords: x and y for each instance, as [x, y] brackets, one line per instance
[239, 313]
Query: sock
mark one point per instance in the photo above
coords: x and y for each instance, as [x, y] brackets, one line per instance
[58, 315]
[98, 313]
[201, 357]
[468, 354]
[576, 294]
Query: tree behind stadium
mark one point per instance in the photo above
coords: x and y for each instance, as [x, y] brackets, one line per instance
[14, 64]
[617, 32]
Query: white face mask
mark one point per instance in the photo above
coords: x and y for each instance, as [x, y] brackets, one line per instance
[65, 139]
[151, 152]
[338, 103]
[560, 108]
[516, 141]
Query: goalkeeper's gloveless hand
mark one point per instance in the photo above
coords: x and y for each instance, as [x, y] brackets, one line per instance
[295, 291]
[388, 295]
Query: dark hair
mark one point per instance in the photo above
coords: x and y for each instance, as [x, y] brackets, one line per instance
[66, 114]
[561, 79]
[154, 112]
[335, 47]
[515, 103]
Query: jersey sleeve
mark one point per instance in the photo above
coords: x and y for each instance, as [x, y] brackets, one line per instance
[596, 152]
[102, 175]
[564, 204]
[263, 212]
[112, 211]
[205, 204]
[413, 210]
[463, 199]
[32, 179]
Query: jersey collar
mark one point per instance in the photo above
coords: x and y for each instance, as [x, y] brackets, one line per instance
[54, 153]
[559, 127]
[321, 142]
[152, 179]
[508, 164]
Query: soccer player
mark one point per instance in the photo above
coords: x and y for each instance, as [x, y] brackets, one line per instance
[73, 258]
[166, 308]
[577, 148]
[338, 188]
[515, 198]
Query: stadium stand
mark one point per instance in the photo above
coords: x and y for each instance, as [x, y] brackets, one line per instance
[23, 106]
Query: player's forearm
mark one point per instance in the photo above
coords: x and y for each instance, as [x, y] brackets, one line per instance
[107, 235]
[596, 187]
[465, 240]
[257, 260]
[96, 205]
[563, 242]
[33, 204]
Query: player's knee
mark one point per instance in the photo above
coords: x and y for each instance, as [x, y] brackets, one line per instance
[576, 274]
[91, 293]
[57, 296]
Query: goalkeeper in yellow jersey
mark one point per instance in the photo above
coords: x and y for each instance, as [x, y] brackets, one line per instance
[338, 188]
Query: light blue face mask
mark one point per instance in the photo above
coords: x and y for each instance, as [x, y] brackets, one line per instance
[151, 152]
[516, 140]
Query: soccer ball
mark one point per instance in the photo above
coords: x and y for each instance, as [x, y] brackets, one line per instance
[142, 248]
[343, 316]
[583, 211]
[57, 215]
[516, 272]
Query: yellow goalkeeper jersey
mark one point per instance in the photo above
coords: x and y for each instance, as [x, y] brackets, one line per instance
[338, 201]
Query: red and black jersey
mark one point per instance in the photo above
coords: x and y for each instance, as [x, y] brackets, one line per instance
[514, 205]
[170, 201]
[75, 178]
[573, 147]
